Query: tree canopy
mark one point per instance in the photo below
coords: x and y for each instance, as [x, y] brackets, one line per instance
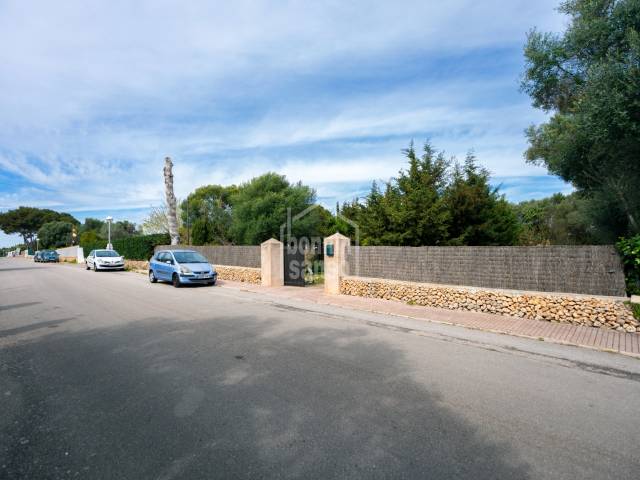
[207, 212]
[435, 203]
[558, 220]
[260, 208]
[26, 221]
[55, 234]
[589, 79]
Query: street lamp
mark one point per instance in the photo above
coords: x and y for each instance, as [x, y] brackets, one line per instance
[109, 246]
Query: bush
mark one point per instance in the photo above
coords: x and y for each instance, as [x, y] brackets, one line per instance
[140, 247]
[87, 246]
[629, 249]
[55, 234]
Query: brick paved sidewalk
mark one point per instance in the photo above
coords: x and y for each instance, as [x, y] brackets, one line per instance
[596, 338]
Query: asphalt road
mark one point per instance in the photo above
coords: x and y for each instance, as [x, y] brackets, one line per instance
[103, 375]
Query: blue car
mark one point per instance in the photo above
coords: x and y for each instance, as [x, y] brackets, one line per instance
[181, 267]
[49, 256]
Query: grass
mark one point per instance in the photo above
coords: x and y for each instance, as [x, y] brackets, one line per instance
[635, 309]
[316, 279]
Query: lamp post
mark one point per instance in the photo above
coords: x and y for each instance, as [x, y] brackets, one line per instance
[109, 246]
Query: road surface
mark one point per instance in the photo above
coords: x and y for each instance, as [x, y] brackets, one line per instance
[103, 375]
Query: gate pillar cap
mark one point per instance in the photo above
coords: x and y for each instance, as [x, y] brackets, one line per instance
[271, 240]
[337, 236]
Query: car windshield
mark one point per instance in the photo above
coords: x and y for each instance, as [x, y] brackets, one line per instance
[189, 257]
[107, 253]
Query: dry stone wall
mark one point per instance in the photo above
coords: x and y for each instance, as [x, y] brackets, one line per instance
[238, 274]
[608, 313]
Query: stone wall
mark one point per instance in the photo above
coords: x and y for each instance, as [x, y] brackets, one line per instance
[238, 274]
[593, 270]
[608, 313]
[141, 266]
[237, 255]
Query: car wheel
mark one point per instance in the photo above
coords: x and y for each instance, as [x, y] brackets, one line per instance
[95, 268]
[176, 280]
[86, 266]
[152, 277]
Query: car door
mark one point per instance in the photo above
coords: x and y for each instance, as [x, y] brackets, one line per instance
[164, 269]
[157, 265]
[169, 265]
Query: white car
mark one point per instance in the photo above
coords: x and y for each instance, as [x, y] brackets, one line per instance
[104, 260]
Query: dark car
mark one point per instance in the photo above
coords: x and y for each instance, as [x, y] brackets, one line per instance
[50, 256]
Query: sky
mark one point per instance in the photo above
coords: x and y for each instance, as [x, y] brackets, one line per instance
[94, 95]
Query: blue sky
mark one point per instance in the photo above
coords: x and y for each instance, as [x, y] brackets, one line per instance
[93, 95]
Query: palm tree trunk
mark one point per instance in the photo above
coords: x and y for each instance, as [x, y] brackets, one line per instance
[171, 202]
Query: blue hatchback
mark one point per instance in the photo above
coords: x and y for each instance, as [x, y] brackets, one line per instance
[181, 267]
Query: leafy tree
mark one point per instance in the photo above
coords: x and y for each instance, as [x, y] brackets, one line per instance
[589, 78]
[478, 215]
[559, 220]
[92, 224]
[629, 249]
[260, 208]
[89, 237]
[26, 221]
[120, 229]
[210, 208]
[55, 234]
[201, 232]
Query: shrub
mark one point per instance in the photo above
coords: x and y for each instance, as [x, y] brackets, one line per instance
[55, 234]
[140, 247]
[629, 249]
[88, 245]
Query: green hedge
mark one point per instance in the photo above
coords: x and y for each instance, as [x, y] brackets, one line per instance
[96, 245]
[139, 247]
[629, 249]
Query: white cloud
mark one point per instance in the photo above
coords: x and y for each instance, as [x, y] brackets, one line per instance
[93, 95]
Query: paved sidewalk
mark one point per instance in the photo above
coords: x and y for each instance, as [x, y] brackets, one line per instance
[595, 338]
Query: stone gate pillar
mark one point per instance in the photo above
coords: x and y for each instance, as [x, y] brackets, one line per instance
[335, 266]
[272, 263]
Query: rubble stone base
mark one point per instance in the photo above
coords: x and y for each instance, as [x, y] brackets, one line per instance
[562, 308]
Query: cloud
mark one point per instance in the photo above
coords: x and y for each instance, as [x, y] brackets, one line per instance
[94, 95]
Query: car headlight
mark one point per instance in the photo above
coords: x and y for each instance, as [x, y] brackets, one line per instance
[186, 271]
